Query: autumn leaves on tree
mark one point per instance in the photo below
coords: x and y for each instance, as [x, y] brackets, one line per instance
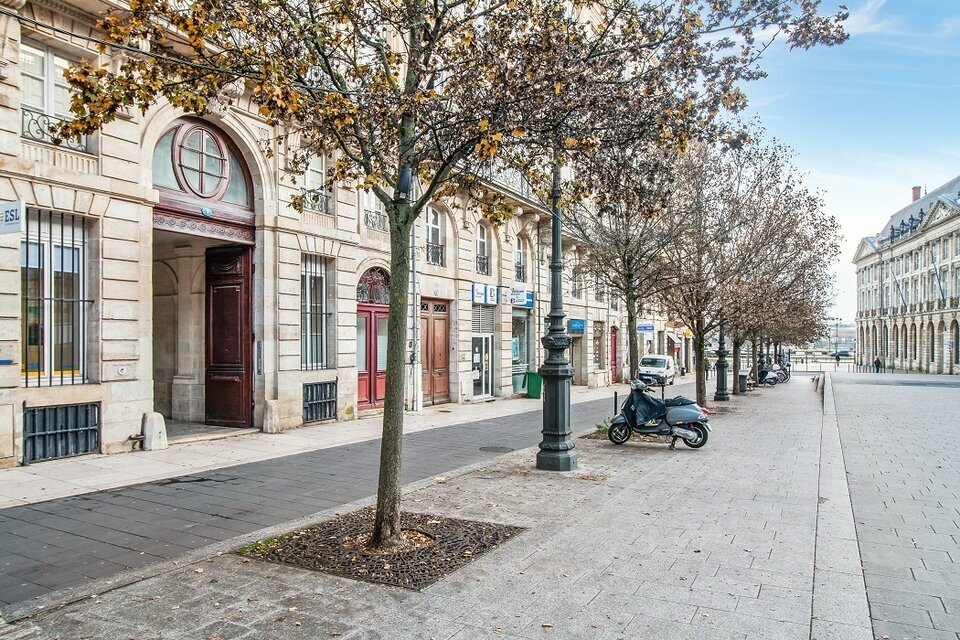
[444, 91]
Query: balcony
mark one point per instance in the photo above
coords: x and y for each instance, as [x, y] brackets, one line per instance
[39, 126]
[376, 220]
[435, 254]
[520, 273]
[483, 265]
[317, 201]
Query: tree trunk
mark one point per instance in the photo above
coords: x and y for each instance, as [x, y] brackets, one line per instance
[737, 344]
[699, 350]
[632, 338]
[386, 528]
[756, 357]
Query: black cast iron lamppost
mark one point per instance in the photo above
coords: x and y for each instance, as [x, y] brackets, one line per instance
[557, 448]
[722, 394]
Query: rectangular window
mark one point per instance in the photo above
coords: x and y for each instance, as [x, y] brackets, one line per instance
[53, 286]
[315, 314]
[374, 213]
[435, 236]
[45, 94]
[598, 345]
[916, 260]
[318, 186]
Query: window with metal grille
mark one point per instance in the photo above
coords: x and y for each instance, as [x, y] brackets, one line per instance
[60, 431]
[45, 95]
[315, 313]
[435, 236]
[53, 287]
[318, 185]
[320, 401]
[484, 319]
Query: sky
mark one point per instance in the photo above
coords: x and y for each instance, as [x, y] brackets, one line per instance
[871, 118]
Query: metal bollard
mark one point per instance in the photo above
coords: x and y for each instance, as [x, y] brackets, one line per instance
[615, 403]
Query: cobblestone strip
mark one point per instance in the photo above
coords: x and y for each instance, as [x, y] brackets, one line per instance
[840, 609]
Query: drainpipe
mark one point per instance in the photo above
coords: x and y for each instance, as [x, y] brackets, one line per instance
[415, 368]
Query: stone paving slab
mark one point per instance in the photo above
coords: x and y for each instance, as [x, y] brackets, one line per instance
[62, 543]
[901, 443]
[639, 542]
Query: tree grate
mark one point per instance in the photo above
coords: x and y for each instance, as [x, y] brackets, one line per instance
[321, 548]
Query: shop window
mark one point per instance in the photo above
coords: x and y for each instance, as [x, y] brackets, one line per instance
[435, 223]
[316, 309]
[53, 285]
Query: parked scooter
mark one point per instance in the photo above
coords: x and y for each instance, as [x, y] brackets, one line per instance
[678, 417]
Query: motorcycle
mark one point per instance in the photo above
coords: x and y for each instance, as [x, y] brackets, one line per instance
[678, 417]
[772, 374]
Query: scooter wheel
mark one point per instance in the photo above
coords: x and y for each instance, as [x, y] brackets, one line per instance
[618, 433]
[701, 438]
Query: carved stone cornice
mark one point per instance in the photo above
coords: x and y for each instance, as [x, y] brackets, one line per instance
[16, 5]
[62, 8]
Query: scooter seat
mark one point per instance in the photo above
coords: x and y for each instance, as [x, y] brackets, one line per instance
[679, 401]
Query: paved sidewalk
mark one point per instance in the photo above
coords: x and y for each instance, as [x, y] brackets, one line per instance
[901, 443]
[75, 476]
[639, 542]
[64, 542]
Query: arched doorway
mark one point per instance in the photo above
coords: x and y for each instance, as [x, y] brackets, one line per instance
[203, 238]
[373, 298]
[614, 355]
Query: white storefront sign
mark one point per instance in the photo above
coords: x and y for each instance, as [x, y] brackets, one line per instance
[11, 214]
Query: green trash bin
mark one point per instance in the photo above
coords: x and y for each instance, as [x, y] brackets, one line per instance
[534, 384]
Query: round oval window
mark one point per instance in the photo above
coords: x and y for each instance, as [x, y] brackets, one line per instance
[202, 162]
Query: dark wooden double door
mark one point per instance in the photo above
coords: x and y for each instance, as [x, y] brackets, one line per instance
[435, 351]
[229, 336]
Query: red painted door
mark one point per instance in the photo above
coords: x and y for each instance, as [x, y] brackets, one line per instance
[371, 355]
[614, 356]
[229, 340]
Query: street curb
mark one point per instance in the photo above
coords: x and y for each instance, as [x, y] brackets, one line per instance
[838, 584]
[35, 608]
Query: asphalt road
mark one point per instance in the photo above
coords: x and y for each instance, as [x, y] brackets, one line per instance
[60, 543]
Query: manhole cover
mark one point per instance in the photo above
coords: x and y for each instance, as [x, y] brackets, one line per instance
[496, 449]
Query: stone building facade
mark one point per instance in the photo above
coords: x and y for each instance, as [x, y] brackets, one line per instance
[159, 267]
[908, 286]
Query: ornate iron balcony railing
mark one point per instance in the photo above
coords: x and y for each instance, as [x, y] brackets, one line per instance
[39, 126]
[374, 219]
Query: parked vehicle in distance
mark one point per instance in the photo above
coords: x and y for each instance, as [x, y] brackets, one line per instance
[657, 369]
[842, 353]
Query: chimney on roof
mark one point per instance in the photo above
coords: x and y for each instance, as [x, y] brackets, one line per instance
[916, 194]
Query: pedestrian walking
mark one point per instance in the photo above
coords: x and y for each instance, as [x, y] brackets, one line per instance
[877, 364]
[706, 367]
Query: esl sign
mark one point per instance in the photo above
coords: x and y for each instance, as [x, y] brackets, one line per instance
[11, 213]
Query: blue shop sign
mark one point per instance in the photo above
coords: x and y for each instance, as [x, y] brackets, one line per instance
[644, 327]
[576, 326]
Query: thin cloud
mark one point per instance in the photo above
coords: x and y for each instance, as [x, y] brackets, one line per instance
[949, 27]
[867, 19]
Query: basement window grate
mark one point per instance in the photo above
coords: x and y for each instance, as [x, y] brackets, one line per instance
[60, 431]
[319, 401]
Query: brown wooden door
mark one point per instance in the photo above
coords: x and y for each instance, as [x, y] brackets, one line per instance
[229, 337]
[614, 356]
[371, 355]
[435, 351]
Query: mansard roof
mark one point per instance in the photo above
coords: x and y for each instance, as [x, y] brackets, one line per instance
[950, 190]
